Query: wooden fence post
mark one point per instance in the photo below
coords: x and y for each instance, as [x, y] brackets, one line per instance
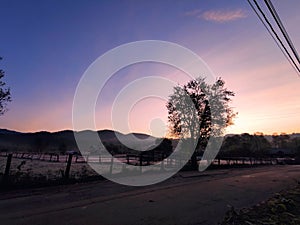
[111, 164]
[67, 172]
[141, 159]
[7, 168]
[162, 162]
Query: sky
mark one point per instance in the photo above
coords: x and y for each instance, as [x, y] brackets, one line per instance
[47, 46]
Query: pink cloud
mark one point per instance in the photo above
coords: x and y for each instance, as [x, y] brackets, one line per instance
[221, 16]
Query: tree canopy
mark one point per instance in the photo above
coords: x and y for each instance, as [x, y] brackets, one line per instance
[198, 110]
[4, 94]
[245, 145]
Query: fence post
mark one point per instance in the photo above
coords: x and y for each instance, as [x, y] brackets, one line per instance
[111, 165]
[162, 162]
[7, 168]
[141, 159]
[67, 172]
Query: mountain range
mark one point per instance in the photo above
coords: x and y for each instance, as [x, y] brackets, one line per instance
[62, 140]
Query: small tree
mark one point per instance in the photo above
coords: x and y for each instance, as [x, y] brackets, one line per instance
[190, 112]
[4, 94]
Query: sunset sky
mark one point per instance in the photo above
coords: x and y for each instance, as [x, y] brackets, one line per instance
[48, 45]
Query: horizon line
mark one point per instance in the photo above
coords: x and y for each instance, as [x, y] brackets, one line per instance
[134, 132]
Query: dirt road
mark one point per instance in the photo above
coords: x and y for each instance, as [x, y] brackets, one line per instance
[187, 198]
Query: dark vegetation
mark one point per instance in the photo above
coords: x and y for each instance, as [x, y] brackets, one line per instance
[59, 142]
[260, 146]
[282, 208]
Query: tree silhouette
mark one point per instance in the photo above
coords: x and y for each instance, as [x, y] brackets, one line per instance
[280, 141]
[190, 112]
[4, 94]
[245, 145]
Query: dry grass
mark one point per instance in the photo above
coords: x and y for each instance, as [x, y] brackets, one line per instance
[26, 172]
[282, 208]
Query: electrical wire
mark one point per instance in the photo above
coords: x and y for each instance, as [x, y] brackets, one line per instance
[276, 38]
[281, 27]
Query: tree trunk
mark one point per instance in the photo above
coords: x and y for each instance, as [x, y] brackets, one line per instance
[194, 164]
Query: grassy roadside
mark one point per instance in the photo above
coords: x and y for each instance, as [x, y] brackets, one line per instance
[281, 209]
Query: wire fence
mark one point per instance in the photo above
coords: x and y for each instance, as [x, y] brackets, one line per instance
[24, 167]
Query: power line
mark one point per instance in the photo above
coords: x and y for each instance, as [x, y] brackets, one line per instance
[281, 27]
[276, 38]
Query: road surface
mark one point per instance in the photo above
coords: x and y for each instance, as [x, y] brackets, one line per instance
[187, 198]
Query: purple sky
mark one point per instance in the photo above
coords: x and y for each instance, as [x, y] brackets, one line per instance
[47, 46]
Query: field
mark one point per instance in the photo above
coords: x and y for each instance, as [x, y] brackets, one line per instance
[35, 172]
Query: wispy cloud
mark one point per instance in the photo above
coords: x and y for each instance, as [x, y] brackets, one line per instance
[218, 16]
[221, 16]
[195, 12]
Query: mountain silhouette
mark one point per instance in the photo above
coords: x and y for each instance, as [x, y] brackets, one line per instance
[60, 141]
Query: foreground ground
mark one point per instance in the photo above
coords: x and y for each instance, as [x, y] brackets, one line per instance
[282, 208]
[187, 198]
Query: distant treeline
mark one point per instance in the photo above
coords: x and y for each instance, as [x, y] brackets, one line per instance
[257, 145]
[241, 145]
[37, 142]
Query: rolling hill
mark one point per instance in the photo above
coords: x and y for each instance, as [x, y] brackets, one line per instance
[61, 141]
